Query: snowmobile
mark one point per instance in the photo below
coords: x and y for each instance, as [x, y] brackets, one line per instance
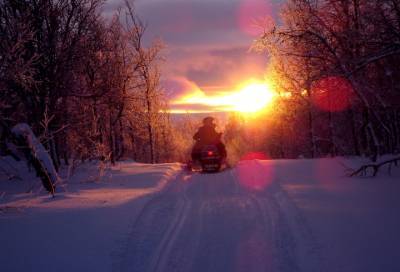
[210, 160]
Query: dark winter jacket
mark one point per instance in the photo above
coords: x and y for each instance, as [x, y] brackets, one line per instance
[207, 135]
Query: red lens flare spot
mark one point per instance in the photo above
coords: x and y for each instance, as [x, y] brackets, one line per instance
[251, 13]
[210, 153]
[254, 156]
[332, 94]
[253, 174]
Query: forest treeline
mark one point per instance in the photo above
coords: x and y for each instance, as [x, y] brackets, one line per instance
[335, 64]
[87, 85]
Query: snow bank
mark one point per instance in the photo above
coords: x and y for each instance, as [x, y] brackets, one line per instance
[81, 229]
[39, 153]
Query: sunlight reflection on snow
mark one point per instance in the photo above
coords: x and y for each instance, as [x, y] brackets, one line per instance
[253, 175]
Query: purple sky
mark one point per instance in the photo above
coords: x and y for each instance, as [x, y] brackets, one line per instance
[207, 41]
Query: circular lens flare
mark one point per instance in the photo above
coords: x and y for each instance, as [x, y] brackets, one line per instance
[254, 175]
[332, 94]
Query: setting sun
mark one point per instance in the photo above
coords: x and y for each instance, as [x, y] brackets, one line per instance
[253, 97]
[249, 97]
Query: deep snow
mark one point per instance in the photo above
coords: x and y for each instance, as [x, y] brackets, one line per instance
[283, 215]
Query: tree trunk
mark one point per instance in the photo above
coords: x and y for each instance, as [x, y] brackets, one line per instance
[354, 135]
[150, 123]
[371, 144]
[281, 144]
[397, 129]
[111, 140]
[52, 151]
[121, 146]
[332, 148]
[151, 142]
[311, 133]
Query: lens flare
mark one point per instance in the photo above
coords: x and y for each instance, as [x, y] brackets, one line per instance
[332, 94]
[252, 174]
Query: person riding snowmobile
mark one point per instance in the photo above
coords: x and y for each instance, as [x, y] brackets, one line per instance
[207, 135]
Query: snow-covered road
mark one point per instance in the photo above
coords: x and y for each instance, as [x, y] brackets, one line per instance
[275, 215]
[216, 222]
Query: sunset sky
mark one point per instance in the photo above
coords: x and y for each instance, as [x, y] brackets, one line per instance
[208, 41]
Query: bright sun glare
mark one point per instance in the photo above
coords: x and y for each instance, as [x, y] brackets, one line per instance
[253, 97]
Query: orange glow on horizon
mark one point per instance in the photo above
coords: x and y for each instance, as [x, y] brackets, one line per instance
[253, 98]
[248, 98]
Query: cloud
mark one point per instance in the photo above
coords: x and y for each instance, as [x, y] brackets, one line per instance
[218, 69]
[179, 87]
[207, 41]
[193, 108]
[184, 22]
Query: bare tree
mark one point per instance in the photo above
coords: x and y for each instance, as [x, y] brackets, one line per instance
[351, 40]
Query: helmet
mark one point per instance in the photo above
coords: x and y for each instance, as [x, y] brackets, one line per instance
[208, 120]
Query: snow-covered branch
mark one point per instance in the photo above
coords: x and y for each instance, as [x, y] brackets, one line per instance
[375, 167]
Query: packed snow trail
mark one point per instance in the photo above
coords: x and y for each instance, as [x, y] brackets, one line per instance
[221, 222]
[272, 215]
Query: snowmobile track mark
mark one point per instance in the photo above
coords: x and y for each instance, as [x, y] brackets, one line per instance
[269, 224]
[280, 233]
[169, 196]
[283, 238]
[162, 253]
[308, 250]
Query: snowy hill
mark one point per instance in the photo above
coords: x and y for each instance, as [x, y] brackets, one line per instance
[283, 215]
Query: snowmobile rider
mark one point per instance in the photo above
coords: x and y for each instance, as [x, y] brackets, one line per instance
[207, 135]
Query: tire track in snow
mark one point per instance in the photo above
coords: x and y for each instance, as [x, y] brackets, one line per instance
[159, 261]
[267, 232]
[184, 248]
[152, 227]
[219, 233]
[299, 248]
[212, 222]
[307, 249]
[273, 218]
[284, 241]
[266, 219]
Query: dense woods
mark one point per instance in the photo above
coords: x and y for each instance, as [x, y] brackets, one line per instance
[335, 64]
[87, 85]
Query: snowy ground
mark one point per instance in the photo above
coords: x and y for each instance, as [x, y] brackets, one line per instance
[285, 215]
